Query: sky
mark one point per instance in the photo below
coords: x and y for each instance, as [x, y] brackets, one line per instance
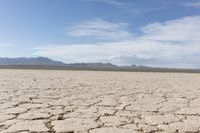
[158, 33]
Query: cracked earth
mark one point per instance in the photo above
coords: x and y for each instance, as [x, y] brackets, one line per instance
[48, 101]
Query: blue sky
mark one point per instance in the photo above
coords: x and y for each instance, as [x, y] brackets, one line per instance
[143, 32]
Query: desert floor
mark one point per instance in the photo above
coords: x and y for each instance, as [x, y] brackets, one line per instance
[42, 101]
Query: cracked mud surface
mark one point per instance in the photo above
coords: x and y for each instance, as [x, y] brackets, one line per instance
[47, 101]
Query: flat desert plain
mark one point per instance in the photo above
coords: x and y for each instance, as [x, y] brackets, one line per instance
[56, 101]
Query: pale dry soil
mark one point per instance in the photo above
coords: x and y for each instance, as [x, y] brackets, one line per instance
[48, 101]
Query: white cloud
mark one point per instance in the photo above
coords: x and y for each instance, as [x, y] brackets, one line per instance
[100, 29]
[173, 43]
[185, 29]
[127, 52]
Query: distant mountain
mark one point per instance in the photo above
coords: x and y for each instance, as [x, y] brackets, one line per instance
[39, 61]
[46, 63]
[42, 61]
[93, 65]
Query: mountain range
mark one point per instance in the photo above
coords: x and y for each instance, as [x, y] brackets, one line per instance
[42, 61]
[46, 63]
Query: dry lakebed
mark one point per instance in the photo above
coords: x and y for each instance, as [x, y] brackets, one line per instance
[58, 101]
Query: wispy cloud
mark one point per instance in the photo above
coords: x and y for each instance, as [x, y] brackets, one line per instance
[100, 29]
[110, 2]
[6, 44]
[135, 7]
[193, 4]
[173, 43]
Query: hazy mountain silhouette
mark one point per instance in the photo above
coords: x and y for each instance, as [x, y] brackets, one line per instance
[40, 61]
[46, 63]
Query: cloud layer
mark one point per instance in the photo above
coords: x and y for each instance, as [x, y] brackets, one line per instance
[100, 29]
[173, 43]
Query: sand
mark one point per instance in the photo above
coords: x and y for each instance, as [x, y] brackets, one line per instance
[50, 101]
